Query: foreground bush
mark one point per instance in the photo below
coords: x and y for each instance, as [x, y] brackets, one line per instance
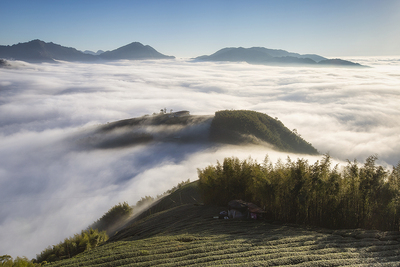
[72, 246]
[8, 261]
[113, 217]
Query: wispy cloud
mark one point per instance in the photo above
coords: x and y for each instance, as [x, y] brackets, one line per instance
[50, 188]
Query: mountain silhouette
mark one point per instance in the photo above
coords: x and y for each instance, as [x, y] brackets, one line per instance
[338, 61]
[93, 53]
[261, 55]
[238, 54]
[40, 51]
[133, 50]
[284, 53]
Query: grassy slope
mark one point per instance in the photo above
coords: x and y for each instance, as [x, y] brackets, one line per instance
[183, 233]
[241, 126]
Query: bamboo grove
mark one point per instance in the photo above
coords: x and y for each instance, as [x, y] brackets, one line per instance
[354, 196]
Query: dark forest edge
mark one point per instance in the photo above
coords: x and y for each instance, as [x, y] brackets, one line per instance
[366, 196]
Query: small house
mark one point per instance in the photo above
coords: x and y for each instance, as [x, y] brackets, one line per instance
[241, 209]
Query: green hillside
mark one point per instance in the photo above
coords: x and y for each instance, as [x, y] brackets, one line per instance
[185, 233]
[245, 126]
[238, 127]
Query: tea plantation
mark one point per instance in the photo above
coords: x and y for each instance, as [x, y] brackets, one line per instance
[179, 231]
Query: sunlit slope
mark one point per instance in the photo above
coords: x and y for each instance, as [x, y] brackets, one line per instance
[188, 235]
[188, 194]
[245, 126]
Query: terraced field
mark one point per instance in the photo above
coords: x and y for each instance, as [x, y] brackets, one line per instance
[188, 235]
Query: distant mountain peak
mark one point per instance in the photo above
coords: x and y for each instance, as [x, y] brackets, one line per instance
[37, 41]
[134, 50]
[266, 56]
[39, 51]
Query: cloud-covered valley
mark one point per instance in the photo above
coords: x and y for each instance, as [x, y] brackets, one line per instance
[52, 187]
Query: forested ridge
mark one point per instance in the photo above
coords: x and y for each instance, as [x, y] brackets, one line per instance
[245, 126]
[238, 127]
[366, 196]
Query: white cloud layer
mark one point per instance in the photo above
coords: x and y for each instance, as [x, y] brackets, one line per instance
[50, 189]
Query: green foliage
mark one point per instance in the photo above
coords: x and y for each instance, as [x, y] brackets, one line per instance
[72, 246]
[241, 126]
[144, 200]
[7, 261]
[359, 197]
[173, 189]
[116, 215]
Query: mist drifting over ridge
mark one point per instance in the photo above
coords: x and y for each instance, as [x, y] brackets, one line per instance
[51, 189]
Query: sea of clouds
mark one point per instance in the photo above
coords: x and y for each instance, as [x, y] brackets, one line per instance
[51, 188]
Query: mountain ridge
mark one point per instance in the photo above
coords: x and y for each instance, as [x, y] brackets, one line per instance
[266, 56]
[40, 51]
[142, 52]
[93, 53]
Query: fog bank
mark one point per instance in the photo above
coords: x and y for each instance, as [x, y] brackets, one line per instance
[51, 187]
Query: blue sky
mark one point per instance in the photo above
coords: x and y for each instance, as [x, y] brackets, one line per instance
[191, 28]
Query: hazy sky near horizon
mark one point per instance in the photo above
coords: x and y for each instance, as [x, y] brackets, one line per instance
[192, 28]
